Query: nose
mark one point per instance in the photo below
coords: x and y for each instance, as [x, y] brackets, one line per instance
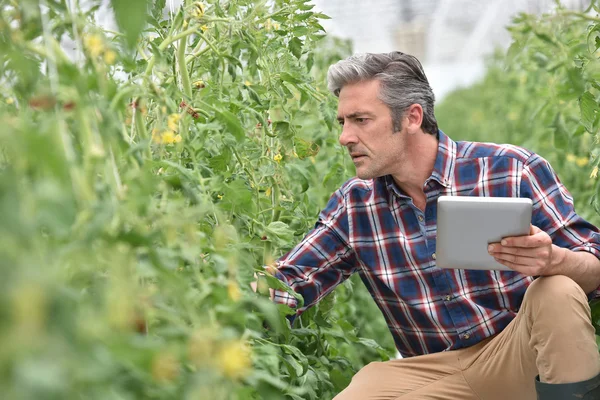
[347, 137]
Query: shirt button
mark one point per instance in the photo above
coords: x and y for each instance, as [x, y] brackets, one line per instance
[466, 336]
[433, 256]
[448, 298]
[420, 218]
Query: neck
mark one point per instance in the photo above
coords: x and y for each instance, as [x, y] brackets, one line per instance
[418, 165]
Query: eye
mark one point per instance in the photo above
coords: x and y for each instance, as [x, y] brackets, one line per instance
[341, 122]
[361, 120]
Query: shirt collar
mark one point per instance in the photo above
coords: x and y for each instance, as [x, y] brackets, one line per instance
[443, 169]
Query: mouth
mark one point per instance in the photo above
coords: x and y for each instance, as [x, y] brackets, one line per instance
[357, 157]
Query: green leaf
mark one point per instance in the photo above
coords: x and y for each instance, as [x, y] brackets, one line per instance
[303, 16]
[295, 47]
[595, 306]
[300, 176]
[339, 379]
[232, 123]
[294, 367]
[321, 16]
[310, 61]
[514, 50]
[279, 232]
[281, 128]
[131, 17]
[305, 148]
[237, 196]
[287, 77]
[268, 309]
[545, 37]
[588, 107]
[277, 284]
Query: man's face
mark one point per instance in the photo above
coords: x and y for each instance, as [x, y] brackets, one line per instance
[367, 131]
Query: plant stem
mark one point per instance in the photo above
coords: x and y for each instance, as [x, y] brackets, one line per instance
[183, 71]
[175, 38]
[580, 15]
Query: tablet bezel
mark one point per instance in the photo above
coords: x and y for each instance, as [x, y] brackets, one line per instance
[467, 224]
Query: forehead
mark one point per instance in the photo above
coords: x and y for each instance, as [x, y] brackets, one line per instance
[360, 96]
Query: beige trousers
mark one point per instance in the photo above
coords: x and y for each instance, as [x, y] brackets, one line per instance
[551, 336]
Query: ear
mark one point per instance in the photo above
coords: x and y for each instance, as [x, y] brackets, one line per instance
[414, 117]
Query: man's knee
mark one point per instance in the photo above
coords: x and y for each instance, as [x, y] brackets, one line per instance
[554, 291]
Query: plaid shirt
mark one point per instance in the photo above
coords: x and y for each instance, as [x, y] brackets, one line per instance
[372, 227]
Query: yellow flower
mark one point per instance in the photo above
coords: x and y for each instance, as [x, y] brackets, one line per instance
[268, 192]
[571, 158]
[276, 26]
[156, 136]
[202, 347]
[581, 161]
[233, 290]
[248, 83]
[278, 157]
[167, 137]
[29, 310]
[594, 173]
[165, 367]
[173, 122]
[94, 44]
[204, 28]
[198, 10]
[268, 24]
[199, 84]
[234, 360]
[220, 196]
[110, 57]
[10, 100]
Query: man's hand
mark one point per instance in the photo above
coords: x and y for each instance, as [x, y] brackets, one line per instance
[532, 255]
[254, 286]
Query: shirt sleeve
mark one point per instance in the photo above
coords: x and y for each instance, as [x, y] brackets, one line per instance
[554, 212]
[321, 261]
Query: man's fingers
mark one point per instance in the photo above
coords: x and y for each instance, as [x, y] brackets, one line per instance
[517, 259]
[538, 240]
[523, 269]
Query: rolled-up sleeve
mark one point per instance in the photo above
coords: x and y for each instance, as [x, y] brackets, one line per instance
[321, 261]
[554, 212]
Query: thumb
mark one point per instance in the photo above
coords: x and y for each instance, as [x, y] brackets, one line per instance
[533, 229]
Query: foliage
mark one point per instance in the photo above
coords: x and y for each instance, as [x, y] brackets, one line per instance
[145, 176]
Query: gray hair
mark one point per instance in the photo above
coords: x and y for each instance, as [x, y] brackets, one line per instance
[403, 83]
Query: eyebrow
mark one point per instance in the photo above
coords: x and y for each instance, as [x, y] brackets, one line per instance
[356, 114]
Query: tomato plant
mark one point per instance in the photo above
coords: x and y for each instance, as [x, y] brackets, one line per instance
[146, 175]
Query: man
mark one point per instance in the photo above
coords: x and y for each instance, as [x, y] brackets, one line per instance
[464, 334]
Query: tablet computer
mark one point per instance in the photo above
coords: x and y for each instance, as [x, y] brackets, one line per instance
[466, 225]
